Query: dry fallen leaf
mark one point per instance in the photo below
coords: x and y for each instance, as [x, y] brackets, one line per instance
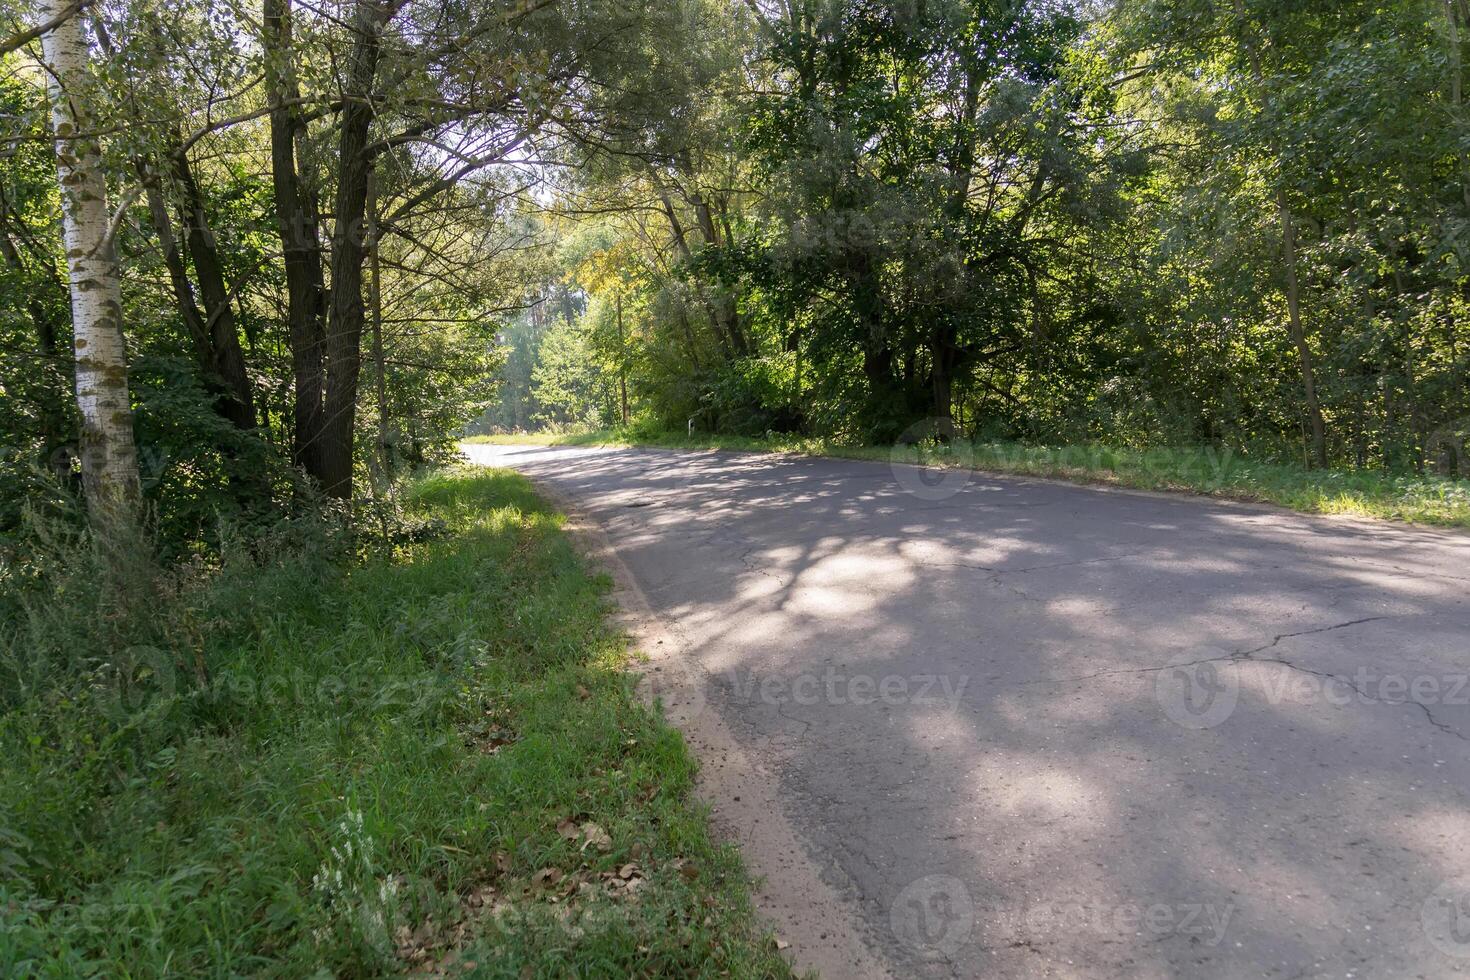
[596, 836]
[547, 876]
[567, 829]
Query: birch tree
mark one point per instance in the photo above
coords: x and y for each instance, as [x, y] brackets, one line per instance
[108, 454]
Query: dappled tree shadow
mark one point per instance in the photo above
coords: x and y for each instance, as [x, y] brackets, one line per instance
[1043, 765]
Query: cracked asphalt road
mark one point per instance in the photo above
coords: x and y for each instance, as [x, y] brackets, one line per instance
[1031, 729]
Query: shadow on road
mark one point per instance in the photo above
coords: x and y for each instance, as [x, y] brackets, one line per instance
[1047, 730]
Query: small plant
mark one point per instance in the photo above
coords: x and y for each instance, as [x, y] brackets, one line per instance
[359, 898]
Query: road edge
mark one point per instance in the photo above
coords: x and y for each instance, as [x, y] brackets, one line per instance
[820, 925]
[1178, 494]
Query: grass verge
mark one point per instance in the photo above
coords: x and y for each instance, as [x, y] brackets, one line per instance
[1217, 473]
[431, 765]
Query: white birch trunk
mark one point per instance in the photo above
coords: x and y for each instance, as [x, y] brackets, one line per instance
[109, 457]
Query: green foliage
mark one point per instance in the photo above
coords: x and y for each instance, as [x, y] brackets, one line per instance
[753, 396]
[569, 381]
[1055, 223]
[37, 412]
[288, 763]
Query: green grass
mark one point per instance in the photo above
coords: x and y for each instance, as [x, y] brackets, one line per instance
[325, 769]
[1426, 500]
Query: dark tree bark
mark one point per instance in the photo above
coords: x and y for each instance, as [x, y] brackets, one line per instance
[296, 224]
[227, 359]
[622, 362]
[723, 306]
[946, 356]
[349, 251]
[375, 301]
[178, 274]
[681, 242]
[213, 336]
[1298, 334]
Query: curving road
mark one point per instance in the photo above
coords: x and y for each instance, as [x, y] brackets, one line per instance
[1037, 730]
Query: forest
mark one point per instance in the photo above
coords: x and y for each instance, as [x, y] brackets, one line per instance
[301, 249]
[1186, 223]
[267, 262]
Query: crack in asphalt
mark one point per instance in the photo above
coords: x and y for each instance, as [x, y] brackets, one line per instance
[1069, 564]
[1243, 656]
[753, 566]
[1428, 714]
[1400, 570]
[994, 576]
[806, 726]
[1250, 654]
[1345, 816]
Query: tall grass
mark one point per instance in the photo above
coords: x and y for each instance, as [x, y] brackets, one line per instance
[294, 764]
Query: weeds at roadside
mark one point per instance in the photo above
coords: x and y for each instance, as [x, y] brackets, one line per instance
[360, 767]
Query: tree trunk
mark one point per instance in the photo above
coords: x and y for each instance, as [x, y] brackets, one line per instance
[944, 341]
[109, 456]
[296, 225]
[375, 300]
[724, 303]
[344, 333]
[178, 274]
[944, 357]
[688, 332]
[1456, 13]
[227, 360]
[1298, 334]
[1293, 286]
[681, 242]
[622, 363]
[250, 487]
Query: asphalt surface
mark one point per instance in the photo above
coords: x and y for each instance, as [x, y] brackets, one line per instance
[1034, 729]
